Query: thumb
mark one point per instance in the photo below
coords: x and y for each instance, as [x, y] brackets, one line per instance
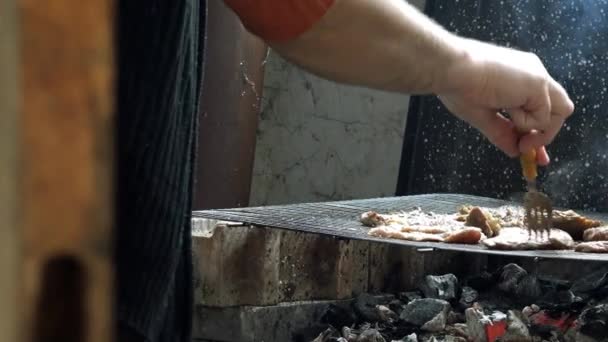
[500, 132]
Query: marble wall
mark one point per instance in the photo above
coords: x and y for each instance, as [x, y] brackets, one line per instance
[321, 141]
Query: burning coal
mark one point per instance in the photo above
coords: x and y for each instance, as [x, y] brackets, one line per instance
[510, 304]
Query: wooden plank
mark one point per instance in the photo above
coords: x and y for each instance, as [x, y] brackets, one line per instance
[228, 113]
[9, 196]
[66, 107]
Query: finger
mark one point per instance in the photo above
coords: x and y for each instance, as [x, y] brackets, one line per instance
[521, 120]
[500, 132]
[537, 139]
[525, 121]
[538, 107]
[542, 157]
[561, 104]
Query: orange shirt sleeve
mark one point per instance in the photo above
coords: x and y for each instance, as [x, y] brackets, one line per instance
[279, 20]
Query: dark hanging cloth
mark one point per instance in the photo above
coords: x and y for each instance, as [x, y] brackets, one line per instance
[443, 154]
[159, 71]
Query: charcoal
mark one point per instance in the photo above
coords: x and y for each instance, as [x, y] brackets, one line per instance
[337, 316]
[437, 323]
[594, 285]
[516, 281]
[550, 283]
[556, 336]
[517, 331]
[496, 300]
[450, 338]
[468, 296]
[363, 327]
[329, 335]
[481, 282]
[594, 322]
[564, 300]
[530, 310]
[570, 335]
[371, 335]
[455, 317]
[366, 308]
[396, 305]
[409, 338]
[386, 314]
[544, 323]
[409, 296]
[584, 338]
[348, 334]
[440, 287]
[420, 311]
[528, 288]
[458, 329]
[510, 276]
[476, 322]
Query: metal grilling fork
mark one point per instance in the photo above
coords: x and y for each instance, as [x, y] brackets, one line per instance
[537, 205]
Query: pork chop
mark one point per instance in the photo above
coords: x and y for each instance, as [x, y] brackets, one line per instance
[573, 223]
[596, 234]
[395, 233]
[592, 247]
[516, 238]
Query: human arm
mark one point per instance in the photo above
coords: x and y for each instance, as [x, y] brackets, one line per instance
[390, 45]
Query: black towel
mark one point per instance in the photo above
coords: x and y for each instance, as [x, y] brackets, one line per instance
[159, 61]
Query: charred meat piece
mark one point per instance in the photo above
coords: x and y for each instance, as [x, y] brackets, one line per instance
[390, 232]
[573, 223]
[505, 216]
[413, 218]
[596, 234]
[592, 247]
[423, 229]
[416, 225]
[467, 235]
[372, 219]
[483, 220]
[515, 238]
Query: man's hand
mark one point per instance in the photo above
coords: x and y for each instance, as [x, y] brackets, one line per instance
[486, 79]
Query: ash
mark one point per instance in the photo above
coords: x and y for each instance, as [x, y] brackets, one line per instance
[511, 304]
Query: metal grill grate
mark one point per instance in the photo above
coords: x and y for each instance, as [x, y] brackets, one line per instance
[341, 219]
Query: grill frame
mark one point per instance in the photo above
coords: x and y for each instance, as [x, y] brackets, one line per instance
[340, 219]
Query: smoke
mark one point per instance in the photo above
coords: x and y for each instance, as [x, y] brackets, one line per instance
[581, 180]
[570, 37]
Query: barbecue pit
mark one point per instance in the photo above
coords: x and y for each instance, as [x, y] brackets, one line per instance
[279, 268]
[341, 219]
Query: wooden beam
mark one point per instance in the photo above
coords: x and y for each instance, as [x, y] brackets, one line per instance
[229, 110]
[66, 106]
[9, 196]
